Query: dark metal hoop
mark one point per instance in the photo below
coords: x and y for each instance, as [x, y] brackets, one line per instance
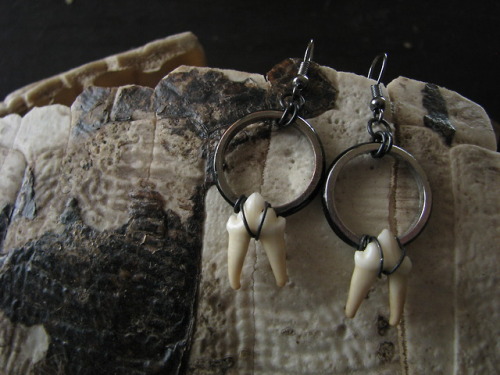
[425, 195]
[366, 239]
[304, 127]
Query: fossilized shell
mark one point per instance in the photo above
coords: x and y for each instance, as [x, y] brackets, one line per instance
[142, 66]
[114, 240]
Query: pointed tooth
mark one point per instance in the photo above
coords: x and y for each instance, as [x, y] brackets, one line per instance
[366, 266]
[398, 281]
[361, 282]
[237, 249]
[273, 241]
[398, 284]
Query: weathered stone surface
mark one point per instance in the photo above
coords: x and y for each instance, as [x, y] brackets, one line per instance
[422, 104]
[74, 210]
[123, 264]
[476, 177]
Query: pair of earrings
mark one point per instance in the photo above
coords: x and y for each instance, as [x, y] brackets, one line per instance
[255, 218]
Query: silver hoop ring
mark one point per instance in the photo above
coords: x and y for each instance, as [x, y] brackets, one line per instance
[304, 127]
[425, 195]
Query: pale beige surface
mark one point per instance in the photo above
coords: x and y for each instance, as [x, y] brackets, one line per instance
[301, 328]
[21, 347]
[448, 327]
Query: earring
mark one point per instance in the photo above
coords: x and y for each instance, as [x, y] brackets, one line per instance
[254, 217]
[384, 254]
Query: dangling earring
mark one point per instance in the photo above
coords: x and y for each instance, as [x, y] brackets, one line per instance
[384, 254]
[254, 217]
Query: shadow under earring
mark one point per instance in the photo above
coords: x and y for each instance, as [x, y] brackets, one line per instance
[254, 217]
[384, 254]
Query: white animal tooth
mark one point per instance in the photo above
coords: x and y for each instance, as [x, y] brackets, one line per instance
[239, 238]
[273, 241]
[272, 236]
[367, 265]
[398, 281]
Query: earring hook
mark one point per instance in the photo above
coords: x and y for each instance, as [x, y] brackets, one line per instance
[382, 56]
[304, 65]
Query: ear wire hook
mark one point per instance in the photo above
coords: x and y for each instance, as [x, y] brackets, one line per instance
[382, 56]
[293, 101]
[304, 65]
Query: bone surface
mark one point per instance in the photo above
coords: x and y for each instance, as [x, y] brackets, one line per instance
[119, 234]
[145, 66]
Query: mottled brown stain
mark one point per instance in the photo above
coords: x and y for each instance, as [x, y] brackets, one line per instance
[386, 351]
[124, 300]
[116, 301]
[319, 95]
[383, 325]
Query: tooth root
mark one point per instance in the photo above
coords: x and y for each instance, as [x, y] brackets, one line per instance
[237, 249]
[361, 282]
[365, 274]
[398, 284]
[398, 281]
[273, 241]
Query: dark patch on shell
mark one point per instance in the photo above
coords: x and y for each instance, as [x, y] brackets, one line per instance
[114, 301]
[4, 222]
[129, 100]
[288, 331]
[123, 301]
[437, 119]
[94, 106]
[210, 100]
[207, 101]
[319, 95]
[25, 205]
[382, 325]
[386, 351]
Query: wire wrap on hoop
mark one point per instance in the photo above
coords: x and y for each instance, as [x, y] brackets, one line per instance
[366, 239]
[240, 206]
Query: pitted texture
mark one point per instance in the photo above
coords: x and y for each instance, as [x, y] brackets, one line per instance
[102, 217]
[110, 301]
[122, 267]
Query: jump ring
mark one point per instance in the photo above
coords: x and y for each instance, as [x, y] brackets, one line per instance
[288, 98]
[375, 121]
[304, 127]
[386, 142]
[288, 117]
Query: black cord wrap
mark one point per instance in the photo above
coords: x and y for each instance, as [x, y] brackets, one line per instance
[240, 206]
[366, 239]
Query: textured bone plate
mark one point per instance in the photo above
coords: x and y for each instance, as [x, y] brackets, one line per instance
[114, 236]
[143, 66]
